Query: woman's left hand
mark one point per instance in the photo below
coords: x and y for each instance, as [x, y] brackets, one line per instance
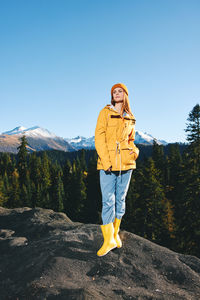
[136, 152]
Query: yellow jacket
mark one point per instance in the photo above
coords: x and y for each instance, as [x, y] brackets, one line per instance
[114, 140]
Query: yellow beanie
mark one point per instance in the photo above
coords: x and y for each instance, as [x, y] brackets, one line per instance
[119, 85]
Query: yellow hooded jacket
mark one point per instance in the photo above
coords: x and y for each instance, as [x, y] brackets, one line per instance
[114, 140]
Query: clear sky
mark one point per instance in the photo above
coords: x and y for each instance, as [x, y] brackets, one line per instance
[60, 58]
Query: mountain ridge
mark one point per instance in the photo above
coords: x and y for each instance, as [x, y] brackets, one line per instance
[42, 139]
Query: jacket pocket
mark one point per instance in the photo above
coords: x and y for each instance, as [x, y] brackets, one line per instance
[112, 122]
[127, 158]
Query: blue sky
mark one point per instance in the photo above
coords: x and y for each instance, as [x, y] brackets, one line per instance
[59, 60]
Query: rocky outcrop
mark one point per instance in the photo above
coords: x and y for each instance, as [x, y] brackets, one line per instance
[44, 255]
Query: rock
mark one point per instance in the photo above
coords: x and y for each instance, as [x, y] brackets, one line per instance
[44, 255]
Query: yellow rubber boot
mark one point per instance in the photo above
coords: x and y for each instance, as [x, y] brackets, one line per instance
[116, 224]
[109, 241]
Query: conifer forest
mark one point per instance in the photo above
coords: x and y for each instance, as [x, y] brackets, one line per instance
[163, 200]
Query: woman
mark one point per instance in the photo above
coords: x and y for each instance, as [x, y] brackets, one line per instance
[117, 154]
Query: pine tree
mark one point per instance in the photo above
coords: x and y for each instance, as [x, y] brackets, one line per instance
[14, 191]
[79, 195]
[193, 127]
[83, 164]
[153, 206]
[35, 167]
[5, 164]
[78, 192]
[56, 189]
[93, 203]
[6, 182]
[67, 183]
[193, 136]
[189, 224]
[46, 181]
[24, 196]
[3, 197]
[22, 161]
[159, 161]
[24, 178]
[174, 187]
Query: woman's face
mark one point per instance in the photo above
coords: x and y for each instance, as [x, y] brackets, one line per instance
[118, 94]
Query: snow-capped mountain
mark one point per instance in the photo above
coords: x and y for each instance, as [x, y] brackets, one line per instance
[35, 131]
[37, 137]
[146, 138]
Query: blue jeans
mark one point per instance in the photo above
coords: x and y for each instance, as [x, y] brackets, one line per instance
[114, 189]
